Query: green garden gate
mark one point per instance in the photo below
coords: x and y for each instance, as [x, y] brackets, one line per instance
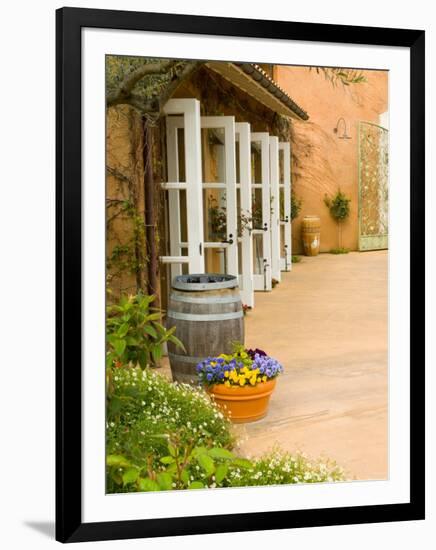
[373, 147]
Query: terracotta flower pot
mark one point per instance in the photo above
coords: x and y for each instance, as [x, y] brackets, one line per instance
[243, 403]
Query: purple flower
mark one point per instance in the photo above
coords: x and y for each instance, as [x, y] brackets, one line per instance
[252, 353]
[212, 370]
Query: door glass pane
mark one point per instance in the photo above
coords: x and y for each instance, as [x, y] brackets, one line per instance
[244, 218]
[282, 203]
[238, 162]
[282, 240]
[239, 213]
[256, 208]
[240, 261]
[215, 260]
[185, 267]
[256, 162]
[213, 155]
[181, 153]
[281, 166]
[183, 216]
[258, 254]
[214, 215]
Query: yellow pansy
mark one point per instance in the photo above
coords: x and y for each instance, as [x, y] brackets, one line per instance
[264, 378]
[233, 376]
[253, 380]
[226, 373]
[242, 381]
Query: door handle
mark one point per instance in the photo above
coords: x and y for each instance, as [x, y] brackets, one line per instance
[229, 240]
[265, 226]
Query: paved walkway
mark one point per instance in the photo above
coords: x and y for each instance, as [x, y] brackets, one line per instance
[327, 323]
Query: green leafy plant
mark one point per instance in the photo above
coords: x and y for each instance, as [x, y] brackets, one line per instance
[282, 468]
[218, 219]
[163, 436]
[296, 205]
[134, 333]
[184, 467]
[154, 426]
[339, 208]
[339, 250]
[295, 259]
[339, 75]
[256, 213]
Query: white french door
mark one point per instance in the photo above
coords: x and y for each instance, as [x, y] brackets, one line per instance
[285, 206]
[219, 194]
[275, 208]
[261, 211]
[202, 217]
[184, 186]
[243, 203]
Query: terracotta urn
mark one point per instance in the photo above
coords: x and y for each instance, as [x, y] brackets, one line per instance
[243, 403]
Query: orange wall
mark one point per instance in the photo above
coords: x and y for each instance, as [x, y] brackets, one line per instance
[320, 161]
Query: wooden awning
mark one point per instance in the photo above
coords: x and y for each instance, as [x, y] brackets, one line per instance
[253, 80]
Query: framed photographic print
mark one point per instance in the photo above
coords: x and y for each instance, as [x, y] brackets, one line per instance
[240, 274]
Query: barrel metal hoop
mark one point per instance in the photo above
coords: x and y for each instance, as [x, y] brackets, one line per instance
[204, 286]
[230, 281]
[205, 317]
[204, 300]
[185, 358]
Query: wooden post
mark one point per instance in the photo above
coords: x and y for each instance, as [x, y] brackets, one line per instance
[150, 225]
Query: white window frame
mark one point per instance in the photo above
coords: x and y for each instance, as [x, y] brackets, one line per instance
[246, 277]
[226, 123]
[275, 208]
[286, 260]
[189, 109]
[262, 282]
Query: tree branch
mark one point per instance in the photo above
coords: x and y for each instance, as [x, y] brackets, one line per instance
[127, 85]
[151, 105]
[187, 70]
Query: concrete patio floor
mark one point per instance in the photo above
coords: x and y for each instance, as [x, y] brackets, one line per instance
[326, 322]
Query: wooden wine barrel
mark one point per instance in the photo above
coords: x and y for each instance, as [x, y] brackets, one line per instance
[311, 234]
[207, 313]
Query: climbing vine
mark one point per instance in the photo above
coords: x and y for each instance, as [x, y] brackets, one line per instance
[126, 254]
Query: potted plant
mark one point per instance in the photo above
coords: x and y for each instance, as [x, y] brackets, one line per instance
[241, 382]
[339, 208]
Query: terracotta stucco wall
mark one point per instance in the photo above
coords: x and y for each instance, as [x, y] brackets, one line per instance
[124, 200]
[320, 161]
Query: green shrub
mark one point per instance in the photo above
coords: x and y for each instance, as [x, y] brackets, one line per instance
[338, 205]
[147, 417]
[164, 436]
[296, 204]
[281, 468]
[339, 208]
[341, 250]
[296, 259]
[134, 333]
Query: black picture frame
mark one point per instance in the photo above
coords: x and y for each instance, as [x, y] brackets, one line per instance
[69, 22]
